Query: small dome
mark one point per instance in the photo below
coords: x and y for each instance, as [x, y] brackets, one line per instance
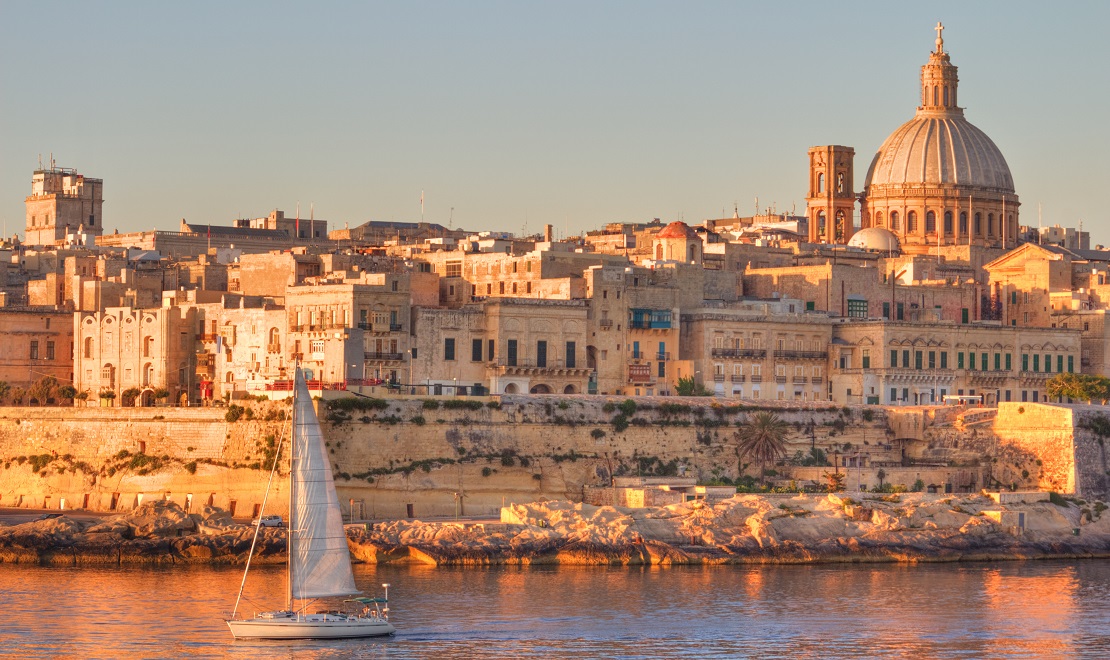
[678, 230]
[875, 238]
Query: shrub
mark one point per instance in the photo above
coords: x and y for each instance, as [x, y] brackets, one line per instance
[418, 420]
[628, 407]
[868, 415]
[620, 423]
[608, 407]
[494, 405]
[358, 403]
[431, 404]
[461, 404]
[597, 434]
[234, 412]
[1057, 499]
[191, 467]
[486, 472]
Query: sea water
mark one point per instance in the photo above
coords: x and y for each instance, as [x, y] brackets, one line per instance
[977, 610]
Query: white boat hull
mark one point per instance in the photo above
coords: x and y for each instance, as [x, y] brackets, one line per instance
[312, 626]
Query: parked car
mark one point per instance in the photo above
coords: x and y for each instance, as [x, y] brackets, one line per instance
[268, 521]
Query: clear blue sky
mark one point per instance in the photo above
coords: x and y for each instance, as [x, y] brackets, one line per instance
[514, 113]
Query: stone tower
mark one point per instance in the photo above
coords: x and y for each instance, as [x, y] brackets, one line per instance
[830, 203]
[63, 201]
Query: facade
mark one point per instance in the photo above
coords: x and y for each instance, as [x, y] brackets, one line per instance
[759, 350]
[892, 363]
[63, 202]
[38, 341]
[120, 348]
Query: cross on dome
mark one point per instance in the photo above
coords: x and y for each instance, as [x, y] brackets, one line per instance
[940, 37]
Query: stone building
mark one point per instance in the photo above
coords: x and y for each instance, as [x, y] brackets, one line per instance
[937, 179]
[241, 346]
[63, 202]
[758, 349]
[119, 348]
[38, 341]
[917, 363]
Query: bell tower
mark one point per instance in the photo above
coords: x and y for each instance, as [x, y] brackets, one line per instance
[830, 204]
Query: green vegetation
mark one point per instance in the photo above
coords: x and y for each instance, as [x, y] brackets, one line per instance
[461, 404]
[761, 439]
[358, 403]
[687, 387]
[1079, 387]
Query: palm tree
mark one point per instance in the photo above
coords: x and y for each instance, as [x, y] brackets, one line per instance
[762, 439]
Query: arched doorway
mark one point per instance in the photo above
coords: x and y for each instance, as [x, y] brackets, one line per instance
[146, 399]
[540, 389]
[570, 389]
[511, 388]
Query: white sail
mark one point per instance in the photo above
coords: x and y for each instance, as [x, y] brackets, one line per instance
[320, 563]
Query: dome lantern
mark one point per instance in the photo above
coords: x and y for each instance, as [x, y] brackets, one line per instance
[939, 80]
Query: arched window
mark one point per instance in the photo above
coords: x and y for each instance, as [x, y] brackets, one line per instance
[879, 219]
[946, 95]
[88, 347]
[911, 221]
[229, 377]
[840, 183]
[820, 182]
[693, 253]
[275, 341]
[148, 345]
[978, 224]
[820, 223]
[963, 222]
[838, 230]
[148, 375]
[659, 252]
[990, 224]
[948, 223]
[934, 94]
[894, 226]
[930, 221]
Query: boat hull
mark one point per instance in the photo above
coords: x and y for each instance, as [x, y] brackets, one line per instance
[310, 627]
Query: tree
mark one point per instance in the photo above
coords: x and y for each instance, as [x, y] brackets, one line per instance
[881, 474]
[761, 438]
[129, 396]
[68, 392]
[836, 481]
[1079, 387]
[687, 387]
[43, 390]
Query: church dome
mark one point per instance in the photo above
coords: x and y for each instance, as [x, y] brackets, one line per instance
[875, 238]
[938, 148]
[678, 230]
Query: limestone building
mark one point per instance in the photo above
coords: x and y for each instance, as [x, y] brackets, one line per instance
[938, 179]
[63, 202]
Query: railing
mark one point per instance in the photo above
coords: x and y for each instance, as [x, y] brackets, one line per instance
[519, 363]
[738, 378]
[649, 325]
[365, 326]
[605, 324]
[720, 378]
[817, 380]
[394, 327]
[756, 378]
[780, 379]
[297, 356]
[804, 355]
[799, 379]
[740, 352]
[208, 337]
[287, 385]
[384, 356]
[662, 357]
[273, 348]
[296, 328]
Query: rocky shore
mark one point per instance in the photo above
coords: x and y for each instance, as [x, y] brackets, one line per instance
[745, 529]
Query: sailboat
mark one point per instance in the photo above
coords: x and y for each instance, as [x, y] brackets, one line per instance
[319, 561]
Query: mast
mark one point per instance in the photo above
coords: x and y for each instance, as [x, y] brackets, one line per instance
[292, 481]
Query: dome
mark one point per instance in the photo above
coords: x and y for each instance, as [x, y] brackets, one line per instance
[875, 238]
[678, 230]
[937, 148]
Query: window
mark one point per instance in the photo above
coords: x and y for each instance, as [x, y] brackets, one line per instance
[476, 350]
[572, 359]
[662, 369]
[959, 360]
[983, 366]
[541, 353]
[1008, 362]
[947, 222]
[886, 311]
[893, 358]
[930, 221]
[449, 348]
[1048, 364]
[34, 350]
[50, 350]
[963, 222]
[636, 347]
[978, 224]
[932, 359]
[964, 315]
[998, 362]
[901, 311]
[917, 359]
[1025, 362]
[944, 359]
[911, 221]
[906, 359]
[1071, 364]
[894, 224]
[857, 308]
[489, 350]
[1036, 362]
[893, 394]
[866, 357]
[1059, 360]
[510, 350]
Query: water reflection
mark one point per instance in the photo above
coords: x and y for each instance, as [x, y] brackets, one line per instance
[1030, 609]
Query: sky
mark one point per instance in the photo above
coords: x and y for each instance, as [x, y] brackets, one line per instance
[511, 115]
